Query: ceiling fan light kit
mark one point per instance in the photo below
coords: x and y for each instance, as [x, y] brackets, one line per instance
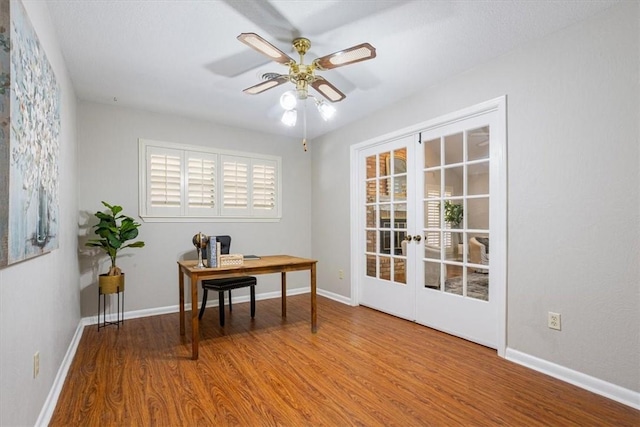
[304, 75]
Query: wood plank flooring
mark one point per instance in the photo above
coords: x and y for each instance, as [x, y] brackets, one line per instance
[362, 368]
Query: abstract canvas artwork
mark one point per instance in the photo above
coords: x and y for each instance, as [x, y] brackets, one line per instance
[29, 140]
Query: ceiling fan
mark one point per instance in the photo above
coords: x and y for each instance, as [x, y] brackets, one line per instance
[304, 75]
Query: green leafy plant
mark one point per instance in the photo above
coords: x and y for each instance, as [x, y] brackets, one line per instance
[114, 230]
[453, 213]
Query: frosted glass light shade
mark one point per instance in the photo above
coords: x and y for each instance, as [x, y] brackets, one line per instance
[289, 118]
[288, 100]
[326, 111]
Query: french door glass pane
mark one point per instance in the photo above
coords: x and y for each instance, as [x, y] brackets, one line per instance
[453, 149]
[478, 143]
[453, 251]
[371, 167]
[400, 187]
[370, 216]
[385, 242]
[432, 270]
[432, 153]
[385, 185]
[479, 252]
[478, 178]
[453, 181]
[370, 191]
[400, 161]
[385, 267]
[432, 183]
[433, 251]
[399, 266]
[478, 213]
[371, 266]
[371, 241]
[385, 215]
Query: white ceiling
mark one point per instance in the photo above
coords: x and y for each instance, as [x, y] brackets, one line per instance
[182, 57]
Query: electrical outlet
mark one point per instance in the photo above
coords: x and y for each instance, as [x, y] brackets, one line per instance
[36, 364]
[340, 274]
[554, 320]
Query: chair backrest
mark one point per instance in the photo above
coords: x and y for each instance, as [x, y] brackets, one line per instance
[225, 244]
[478, 254]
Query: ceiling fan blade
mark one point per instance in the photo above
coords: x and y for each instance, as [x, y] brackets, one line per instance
[256, 42]
[236, 64]
[327, 90]
[271, 83]
[265, 16]
[354, 54]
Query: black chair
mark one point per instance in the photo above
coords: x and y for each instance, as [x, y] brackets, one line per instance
[227, 284]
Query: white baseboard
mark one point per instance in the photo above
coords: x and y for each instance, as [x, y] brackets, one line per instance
[335, 297]
[52, 398]
[619, 394]
[212, 302]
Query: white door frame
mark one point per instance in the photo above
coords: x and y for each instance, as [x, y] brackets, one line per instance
[498, 170]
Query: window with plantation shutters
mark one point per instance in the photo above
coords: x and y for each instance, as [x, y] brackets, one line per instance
[184, 182]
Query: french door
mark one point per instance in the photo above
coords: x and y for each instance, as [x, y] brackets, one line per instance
[386, 211]
[432, 226]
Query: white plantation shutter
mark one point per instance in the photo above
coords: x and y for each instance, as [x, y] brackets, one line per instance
[264, 186]
[164, 181]
[235, 185]
[179, 182]
[201, 184]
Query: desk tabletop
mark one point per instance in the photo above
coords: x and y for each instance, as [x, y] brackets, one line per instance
[266, 264]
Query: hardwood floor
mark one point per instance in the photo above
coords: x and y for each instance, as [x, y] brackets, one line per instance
[362, 368]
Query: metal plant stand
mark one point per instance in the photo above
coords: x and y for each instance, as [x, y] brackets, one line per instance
[120, 308]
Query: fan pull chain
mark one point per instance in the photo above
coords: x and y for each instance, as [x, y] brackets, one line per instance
[304, 125]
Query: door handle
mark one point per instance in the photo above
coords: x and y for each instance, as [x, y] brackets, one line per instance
[408, 237]
[417, 237]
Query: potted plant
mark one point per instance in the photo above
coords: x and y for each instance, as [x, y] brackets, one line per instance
[114, 230]
[453, 213]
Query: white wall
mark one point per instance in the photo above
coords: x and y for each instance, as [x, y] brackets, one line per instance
[39, 298]
[108, 170]
[573, 190]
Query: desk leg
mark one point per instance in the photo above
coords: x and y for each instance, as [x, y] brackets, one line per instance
[284, 294]
[314, 309]
[195, 333]
[181, 293]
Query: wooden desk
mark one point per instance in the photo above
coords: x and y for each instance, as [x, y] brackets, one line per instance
[265, 265]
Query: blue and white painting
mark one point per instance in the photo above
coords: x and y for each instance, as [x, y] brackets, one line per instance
[30, 144]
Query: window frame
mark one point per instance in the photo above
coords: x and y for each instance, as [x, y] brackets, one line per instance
[185, 213]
